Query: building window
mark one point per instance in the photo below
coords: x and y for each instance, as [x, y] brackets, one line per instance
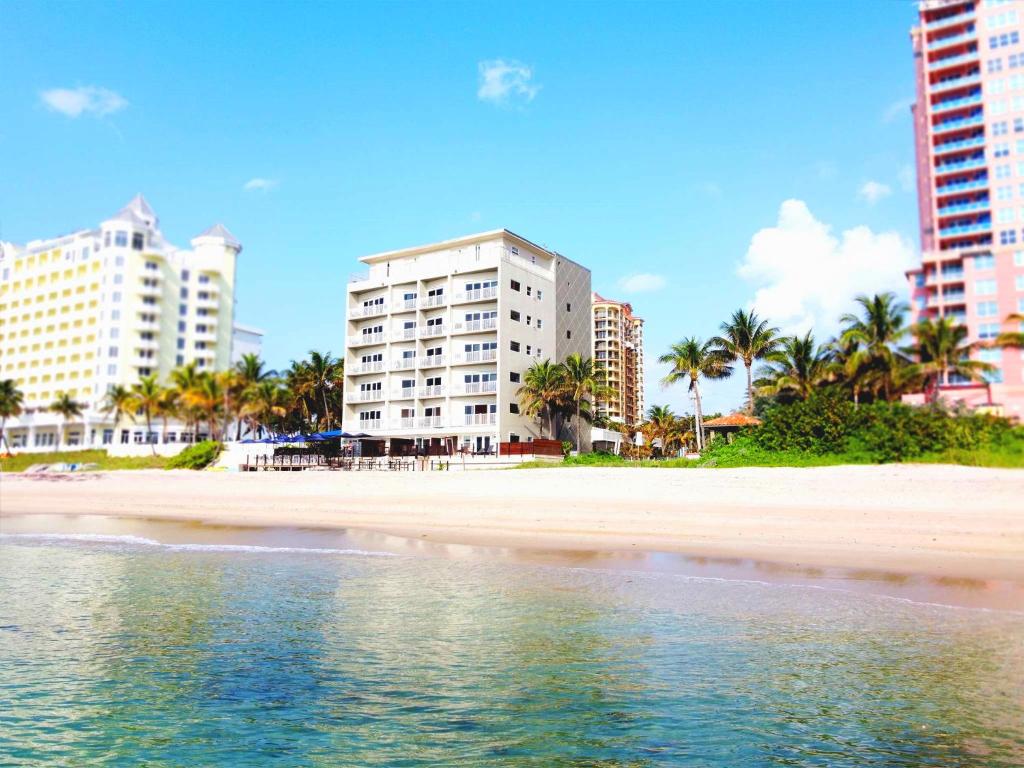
[529, 349]
[988, 330]
[116, 297]
[1000, 149]
[182, 309]
[984, 261]
[111, 370]
[995, 65]
[513, 408]
[204, 279]
[568, 307]
[121, 239]
[1008, 237]
[152, 266]
[538, 323]
[179, 359]
[181, 326]
[514, 377]
[112, 352]
[987, 309]
[184, 292]
[137, 241]
[529, 290]
[515, 285]
[514, 315]
[984, 287]
[181, 343]
[540, 294]
[514, 346]
[568, 334]
[108, 436]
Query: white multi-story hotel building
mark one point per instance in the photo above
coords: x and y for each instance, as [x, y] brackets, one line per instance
[101, 307]
[619, 356]
[440, 336]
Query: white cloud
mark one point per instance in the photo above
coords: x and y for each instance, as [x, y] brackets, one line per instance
[907, 178]
[258, 184]
[873, 191]
[503, 82]
[86, 99]
[641, 282]
[806, 277]
[896, 110]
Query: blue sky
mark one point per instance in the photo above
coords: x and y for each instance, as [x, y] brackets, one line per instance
[653, 140]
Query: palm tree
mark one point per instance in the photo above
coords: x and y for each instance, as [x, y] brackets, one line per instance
[796, 368]
[748, 338]
[849, 366]
[184, 380]
[691, 359]
[543, 391]
[206, 397]
[662, 424]
[68, 409]
[11, 401]
[148, 397]
[583, 382]
[250, 372]
[879, 328]
[941, 350]
[1012, 338]
[264, 404]
[318, 382]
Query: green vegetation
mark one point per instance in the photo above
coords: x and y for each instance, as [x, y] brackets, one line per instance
[198, 456]
[103, 462]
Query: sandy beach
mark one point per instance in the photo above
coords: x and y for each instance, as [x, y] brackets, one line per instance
[935, 520]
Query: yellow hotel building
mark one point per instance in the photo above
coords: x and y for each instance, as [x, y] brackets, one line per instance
[619, 355]
[100, 307]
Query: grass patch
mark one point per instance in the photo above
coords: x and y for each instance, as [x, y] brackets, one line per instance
[22, 461]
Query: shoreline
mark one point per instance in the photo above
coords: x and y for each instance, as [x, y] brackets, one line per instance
[952, 522]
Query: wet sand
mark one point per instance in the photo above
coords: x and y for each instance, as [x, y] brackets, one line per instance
[941, 521]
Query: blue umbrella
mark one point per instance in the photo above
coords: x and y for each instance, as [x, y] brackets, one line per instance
[332, 434]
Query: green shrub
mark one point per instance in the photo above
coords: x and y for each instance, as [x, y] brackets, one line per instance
[197, 456]
[827, 423]
[567, 447]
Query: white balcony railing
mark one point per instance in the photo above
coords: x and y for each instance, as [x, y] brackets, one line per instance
[434, 391]
[405, 334]
[371, 310]
[375, 366]
[368, 425]
[406, 423]
[478, 295]
[430, 421]
[403, 364]
[433, 301]
[365, 396]
[479, 387]
[483, 356]
[406, 304]
[405, 393]
[432, 361]
[362, 339]
[469, 326]
[481, 418]
[431, 331]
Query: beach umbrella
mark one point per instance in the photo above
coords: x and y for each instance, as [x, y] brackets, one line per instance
[332, 434]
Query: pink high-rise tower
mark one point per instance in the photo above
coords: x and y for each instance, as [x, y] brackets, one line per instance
[969, 141]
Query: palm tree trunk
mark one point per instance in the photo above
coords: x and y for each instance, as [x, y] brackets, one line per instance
[579, 427]
[3, 437]
[149, 431]
[750, 390]
[698, 417]
[327, 414]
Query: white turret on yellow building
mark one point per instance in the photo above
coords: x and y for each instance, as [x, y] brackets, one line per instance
[84, 312]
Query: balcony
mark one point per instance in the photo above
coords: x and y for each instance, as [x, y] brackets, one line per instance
[152, 344]
[432, 331]
[954, 82]
[954, 297]
[150, 290]
[952, 275]
[433, 391]
[364, 339]
[966, 229]
[405, 334]
[405, 306]
[963, 101]
[471, 326]
[979, 205]
[368, 425]
[481, 294]
[405, 393]
[429, 422]
[371, 311]
[478, 388]
[483, 356]
[950, 147]
[403, 423]
[961, 186]
[944, 42]
[403, 364]
[967, 164]
[948, 21]
[474, 419]
[958, 123]
[365, 396]
[432, 361]
[376, 366]
[433, 301]
[952, 61]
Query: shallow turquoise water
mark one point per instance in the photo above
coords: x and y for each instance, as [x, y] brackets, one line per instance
[121, 653]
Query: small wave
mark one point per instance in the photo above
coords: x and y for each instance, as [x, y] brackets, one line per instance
[100, 538]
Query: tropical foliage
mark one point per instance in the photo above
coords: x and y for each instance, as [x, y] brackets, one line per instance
[692, 360]
[11, 401]
[552, 392]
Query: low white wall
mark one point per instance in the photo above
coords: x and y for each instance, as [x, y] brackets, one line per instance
[142, 449]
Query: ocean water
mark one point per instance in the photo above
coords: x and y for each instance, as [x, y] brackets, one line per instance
[120, 651]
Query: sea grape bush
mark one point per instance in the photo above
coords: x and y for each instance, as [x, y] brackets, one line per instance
[828, 423]
[197, 456]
